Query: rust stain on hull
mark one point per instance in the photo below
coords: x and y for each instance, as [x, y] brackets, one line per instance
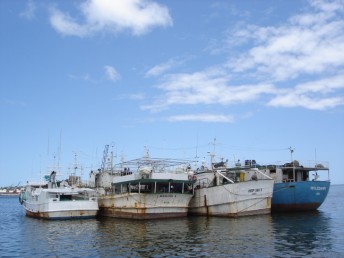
[71, 215]
[140, 214]
[234, 215]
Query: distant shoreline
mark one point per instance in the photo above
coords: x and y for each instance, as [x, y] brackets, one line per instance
[9, 194]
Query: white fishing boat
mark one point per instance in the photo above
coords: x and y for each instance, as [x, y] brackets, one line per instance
[58, 200]
[231, 192]
[145, 188]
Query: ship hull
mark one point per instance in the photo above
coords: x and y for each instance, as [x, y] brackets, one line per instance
[233, 200]
[144, 205]
[299, 196]
[62, 210]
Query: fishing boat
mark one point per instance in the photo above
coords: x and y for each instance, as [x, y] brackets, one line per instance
[230, 191]
[144, 188]
[298, 187]
[9, 192]
[58, 200]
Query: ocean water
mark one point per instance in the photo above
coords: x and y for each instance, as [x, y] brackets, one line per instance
[309, 234]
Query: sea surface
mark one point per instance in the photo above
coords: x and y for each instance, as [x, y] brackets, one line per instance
[306, 234]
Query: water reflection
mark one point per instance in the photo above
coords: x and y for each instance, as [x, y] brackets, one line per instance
[316, 234]
[188, 237]
[301, 234]
[116, 237]
[59, 237]
[264, 236]
[304, 234]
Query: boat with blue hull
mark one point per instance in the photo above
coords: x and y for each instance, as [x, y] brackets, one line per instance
[299, 196]
[297, 187]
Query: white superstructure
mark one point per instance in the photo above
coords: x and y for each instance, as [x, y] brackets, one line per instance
[58, 200]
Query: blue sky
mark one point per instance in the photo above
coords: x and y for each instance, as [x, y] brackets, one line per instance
[257, 76]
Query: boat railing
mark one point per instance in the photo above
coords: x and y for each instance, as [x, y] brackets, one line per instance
[250, 170]
[263, 174]
[314, 164]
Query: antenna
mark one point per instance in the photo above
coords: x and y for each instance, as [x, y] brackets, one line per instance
[59, 151]
[75, 163]
[146, 154]
[292, 161]
[48, 148]
[214, 144]
[315, 155]
[291, 153]
[212, 155]
[105, 153]
[196, 157]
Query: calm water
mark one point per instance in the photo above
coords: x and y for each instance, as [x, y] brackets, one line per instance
[316, 234]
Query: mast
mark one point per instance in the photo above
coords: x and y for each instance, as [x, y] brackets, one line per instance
[59, 151]
[212, 155]
[146, 153]
[75, 167]
[105, 154]
[111, 161]
[292, 161]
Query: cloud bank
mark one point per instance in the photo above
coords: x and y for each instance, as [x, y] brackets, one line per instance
[297, 64]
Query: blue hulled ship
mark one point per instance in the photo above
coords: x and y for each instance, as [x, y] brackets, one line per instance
[298, 187]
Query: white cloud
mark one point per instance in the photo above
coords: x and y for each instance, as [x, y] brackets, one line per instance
[66, 24]
[133, 96]
[84, 77]
[138, 16]
[309, 44]
[316, 95]
[158, 69]
[29, 12]
[137, 96]
[299, 100]
[111, 73]
[328, 6]
[207, 87]
[163, 68]
[202, 118]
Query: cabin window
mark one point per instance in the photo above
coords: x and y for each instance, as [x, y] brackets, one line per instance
[65, 197]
